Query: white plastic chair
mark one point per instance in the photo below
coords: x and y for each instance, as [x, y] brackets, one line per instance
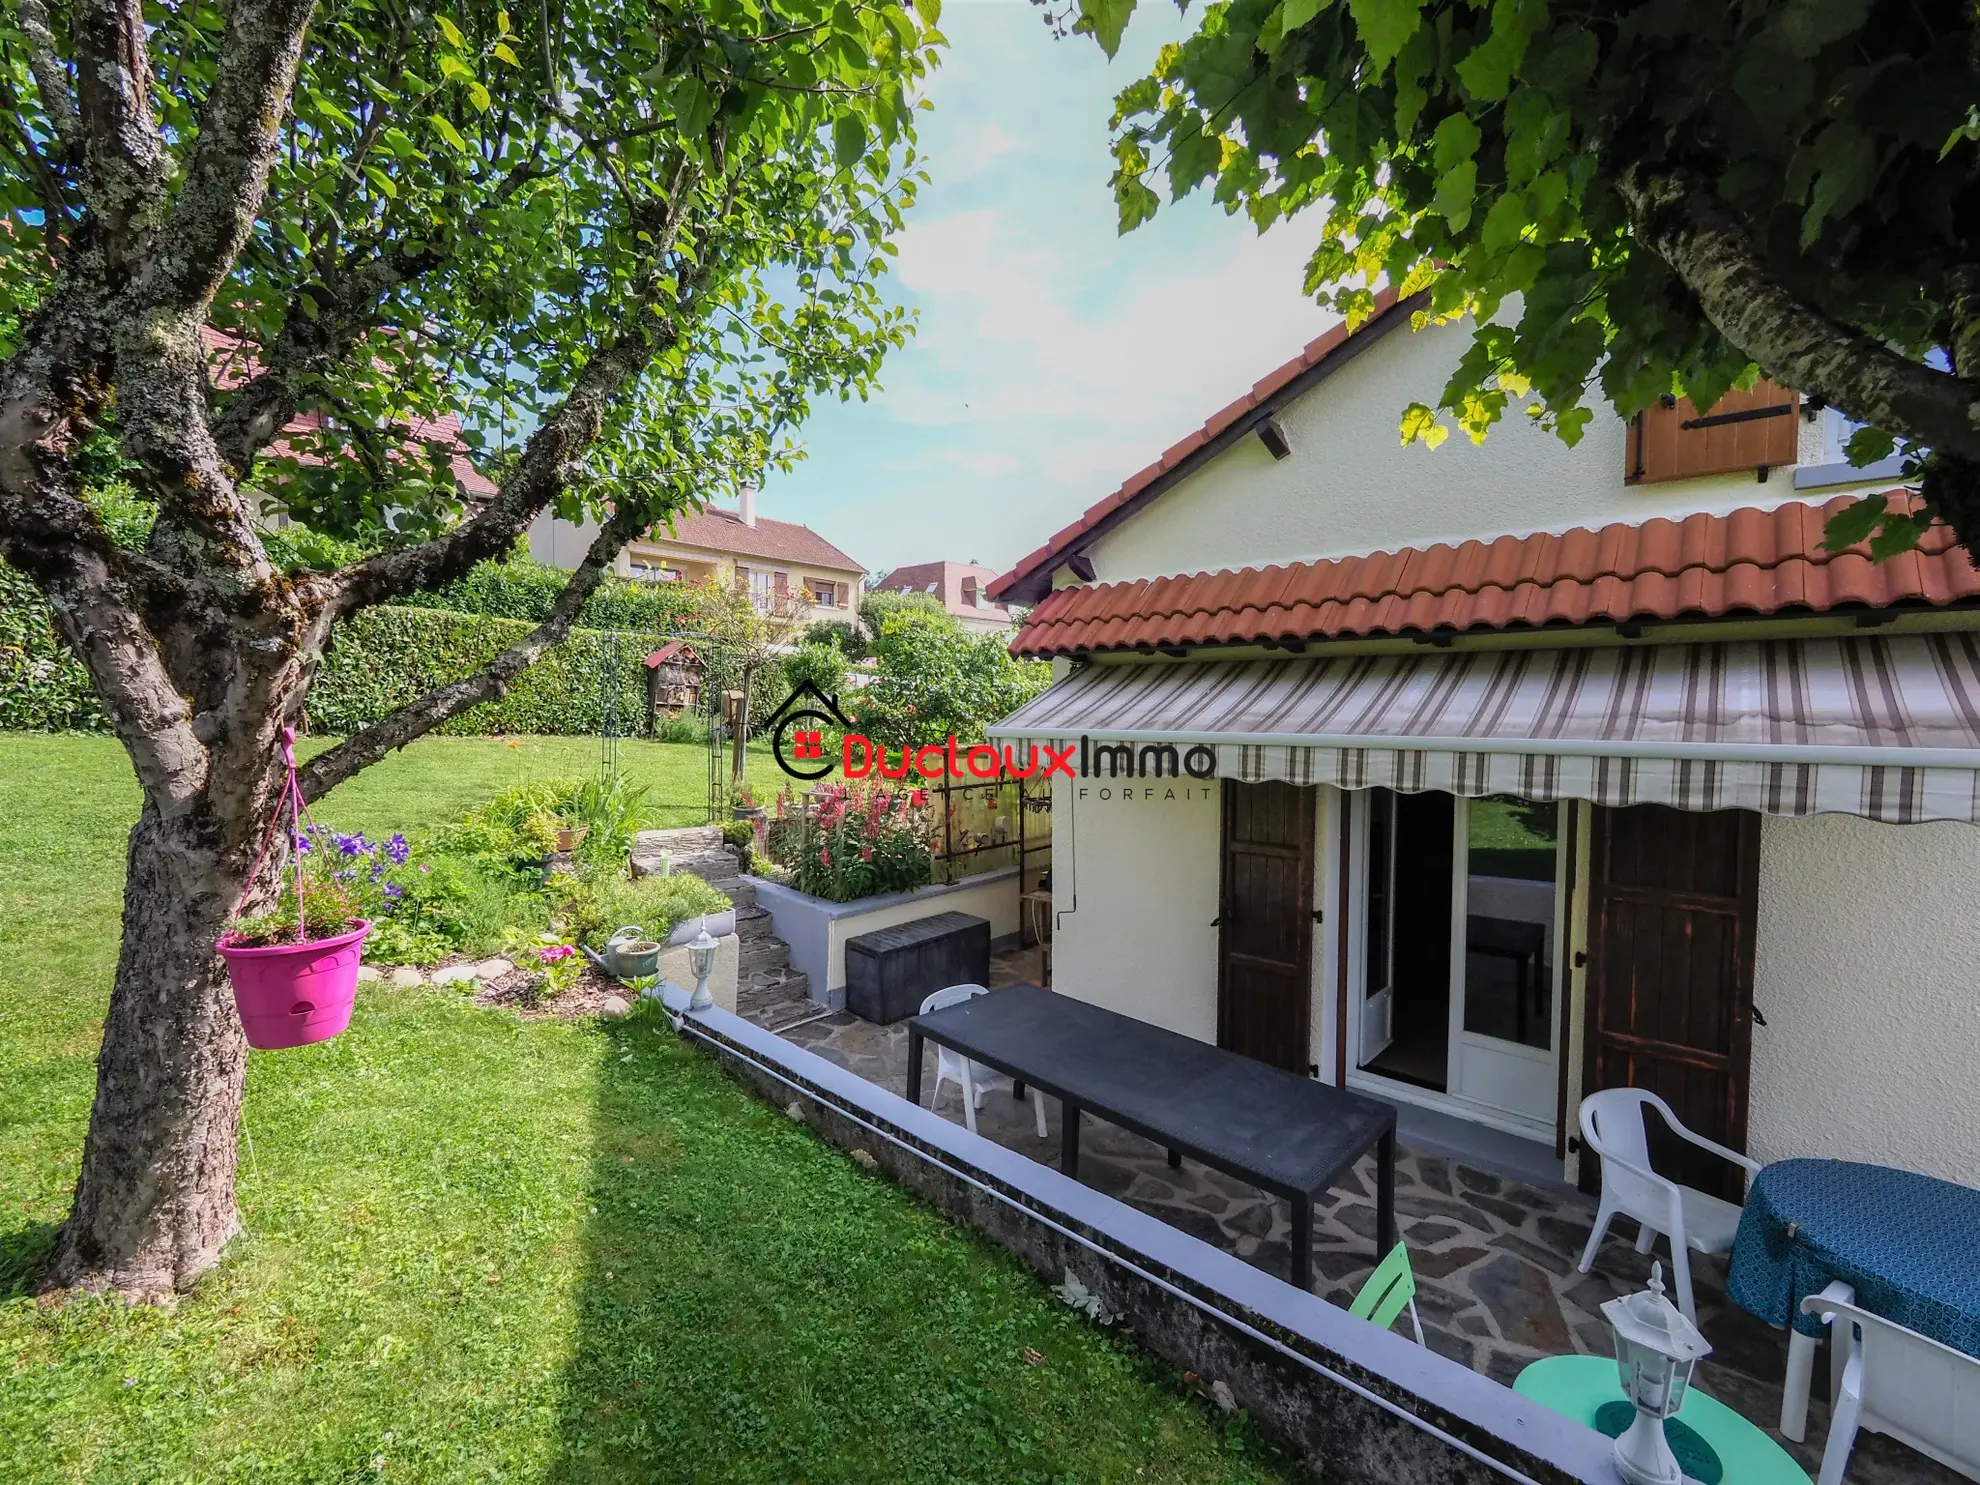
[1612, 1125]
[1895, 1381]
[955, 1068]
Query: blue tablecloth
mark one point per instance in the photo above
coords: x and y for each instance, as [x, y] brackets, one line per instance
[1908, 1244]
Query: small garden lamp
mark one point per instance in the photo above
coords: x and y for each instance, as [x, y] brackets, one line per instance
[1656, 1348]
[701, 957]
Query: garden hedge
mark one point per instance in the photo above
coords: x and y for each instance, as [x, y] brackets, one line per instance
[378, 661]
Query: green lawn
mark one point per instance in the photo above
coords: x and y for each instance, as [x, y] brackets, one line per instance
[482, 1250]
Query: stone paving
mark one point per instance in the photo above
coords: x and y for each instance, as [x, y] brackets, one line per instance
[1494, 1258]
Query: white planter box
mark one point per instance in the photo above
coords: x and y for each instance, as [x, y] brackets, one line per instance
[817, 930]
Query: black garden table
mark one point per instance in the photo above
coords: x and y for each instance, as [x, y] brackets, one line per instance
[1283, 1133]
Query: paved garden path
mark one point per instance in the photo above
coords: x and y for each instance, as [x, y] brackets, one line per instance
[1494, 1258]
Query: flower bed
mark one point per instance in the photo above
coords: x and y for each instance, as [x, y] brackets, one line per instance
[845, 842]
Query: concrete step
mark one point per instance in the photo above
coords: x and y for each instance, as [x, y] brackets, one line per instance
[776, 1003]
[760, 954]
[740, 890]
[753, 924]
[711, 865]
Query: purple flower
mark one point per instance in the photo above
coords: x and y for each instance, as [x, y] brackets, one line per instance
[302, 845]
[377, 870]
[397, 849]
[350, 845]
[393, 892]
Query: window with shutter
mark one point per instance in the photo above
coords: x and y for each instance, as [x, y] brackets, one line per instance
[1753, 430]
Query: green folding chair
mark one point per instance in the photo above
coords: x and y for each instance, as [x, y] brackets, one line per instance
[1386, 1291]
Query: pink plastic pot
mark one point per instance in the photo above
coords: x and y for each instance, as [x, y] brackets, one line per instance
[290, 995]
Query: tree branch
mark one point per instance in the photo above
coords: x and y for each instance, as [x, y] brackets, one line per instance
[51, 78]
[550, 458]
[239, 126]
[1677, 215]
[126, 166]
[56, 539]
[417, 718]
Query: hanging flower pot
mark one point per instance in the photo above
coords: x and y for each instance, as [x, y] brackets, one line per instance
[290, 995]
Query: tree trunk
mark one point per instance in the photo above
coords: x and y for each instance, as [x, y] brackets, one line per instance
[155, 1201]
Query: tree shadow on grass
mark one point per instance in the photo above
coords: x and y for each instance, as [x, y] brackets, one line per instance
[754, 1306]
[23, 1255]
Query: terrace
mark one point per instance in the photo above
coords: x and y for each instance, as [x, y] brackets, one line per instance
[1494, 1255]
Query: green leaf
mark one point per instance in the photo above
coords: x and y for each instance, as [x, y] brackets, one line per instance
[448, 132]
[848, 140]
[501, 50]
[1846, 169]
[449, 30]
[1488, 71]
[1867, 446]
[1384, 25]
[1775, 85]
[1295, 13]
[1897, 536]
[297, 238]
[1106, 20]
[930, 11]
[1853, 524]
[1504, 222]
[383, 181]
[1420, 425]
[1456, 140]
[1136, 202]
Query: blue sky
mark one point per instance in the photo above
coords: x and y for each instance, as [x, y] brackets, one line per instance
[1054, 357]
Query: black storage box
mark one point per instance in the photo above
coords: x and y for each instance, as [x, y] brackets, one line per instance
[890, 971]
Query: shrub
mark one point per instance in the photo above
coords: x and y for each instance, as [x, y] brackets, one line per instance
[934, 678]
[517, 829]
[848, 841]
[840, 634]
[593, 903]
[822, 665]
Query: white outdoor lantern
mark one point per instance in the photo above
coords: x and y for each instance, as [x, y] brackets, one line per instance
[1656, 1348]
[701, 957]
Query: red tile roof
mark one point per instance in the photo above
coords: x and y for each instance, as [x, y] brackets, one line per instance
[234, 361]
[776, 541]
[1031, 579]
[1750, 562]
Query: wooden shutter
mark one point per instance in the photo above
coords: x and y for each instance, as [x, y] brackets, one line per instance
[783, 583]
[1753, 430]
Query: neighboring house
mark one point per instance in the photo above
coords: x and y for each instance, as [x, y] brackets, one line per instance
[963, 588]
[1527, 770]
[780, 562]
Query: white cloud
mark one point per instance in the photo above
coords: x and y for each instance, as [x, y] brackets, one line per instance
[982, 148]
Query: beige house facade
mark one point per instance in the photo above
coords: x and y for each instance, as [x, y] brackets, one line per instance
[1489, 775]
[784, 565]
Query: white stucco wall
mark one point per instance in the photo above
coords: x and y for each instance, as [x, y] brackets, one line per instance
[1351, 487]
[1867, 968]
[1134, 885]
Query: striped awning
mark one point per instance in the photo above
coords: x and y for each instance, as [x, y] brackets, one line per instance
[1888, 728]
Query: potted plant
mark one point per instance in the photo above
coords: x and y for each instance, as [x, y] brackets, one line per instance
[294, 969]
[570, 837]
[743, 805]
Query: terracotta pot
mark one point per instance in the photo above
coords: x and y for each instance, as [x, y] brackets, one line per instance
[570, 837]
[290, 995]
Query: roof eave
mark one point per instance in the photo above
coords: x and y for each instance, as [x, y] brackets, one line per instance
[1031, 586]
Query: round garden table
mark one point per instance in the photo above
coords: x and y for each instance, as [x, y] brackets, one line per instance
[1576, 1386]
[1909, 1245]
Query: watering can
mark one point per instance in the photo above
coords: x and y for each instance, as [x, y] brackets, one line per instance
[629, 953]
